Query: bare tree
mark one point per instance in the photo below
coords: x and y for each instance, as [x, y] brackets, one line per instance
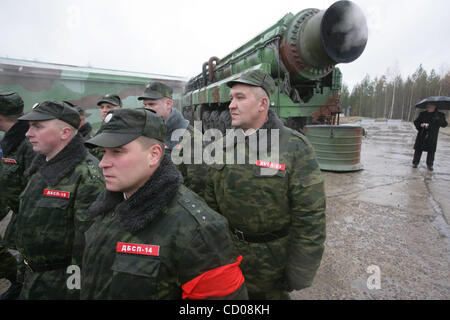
[443, 70]
[392, 74]
[374, 98]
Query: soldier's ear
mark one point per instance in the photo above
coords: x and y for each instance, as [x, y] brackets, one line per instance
[169, 102]
[154, 155]
[66, 133]
[263, 104]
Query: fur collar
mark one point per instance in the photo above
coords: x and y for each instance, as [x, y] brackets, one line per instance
[85, 130]
[60, 165]
[175, 121]
[14, 137]
[144, 205]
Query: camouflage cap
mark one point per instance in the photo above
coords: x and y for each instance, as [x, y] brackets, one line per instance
[121, 126]
[49, 110]
[113, 99]
[156, 90]
[10, 103]
[77, 108]
[257, 78]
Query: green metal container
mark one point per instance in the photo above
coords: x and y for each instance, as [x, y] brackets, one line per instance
[338, 148]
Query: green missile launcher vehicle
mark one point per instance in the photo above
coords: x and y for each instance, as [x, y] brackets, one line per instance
[300, 52]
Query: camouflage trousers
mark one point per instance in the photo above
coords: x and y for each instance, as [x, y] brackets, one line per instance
[263, 267]
[8, 264]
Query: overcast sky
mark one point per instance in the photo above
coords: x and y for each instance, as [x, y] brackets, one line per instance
[175, 37]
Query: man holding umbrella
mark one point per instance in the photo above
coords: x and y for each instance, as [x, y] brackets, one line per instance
[428, 123]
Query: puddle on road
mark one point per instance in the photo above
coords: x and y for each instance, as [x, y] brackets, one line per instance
[398, 156]
[385, 215]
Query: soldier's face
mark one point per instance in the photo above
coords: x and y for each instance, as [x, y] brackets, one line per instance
[162, 106]
[126, 168]
[45, 136]
[245, 107]
[105, 107]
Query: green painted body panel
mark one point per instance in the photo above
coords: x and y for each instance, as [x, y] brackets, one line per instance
[37, 82]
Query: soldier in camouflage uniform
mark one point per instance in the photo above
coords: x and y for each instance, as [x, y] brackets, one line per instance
[276, 209]
[107, 102]
[64, 179]
[153, 238]
[158, 97]
[16, 157]
[85, 128]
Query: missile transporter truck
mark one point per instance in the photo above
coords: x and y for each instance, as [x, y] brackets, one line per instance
[300, 52]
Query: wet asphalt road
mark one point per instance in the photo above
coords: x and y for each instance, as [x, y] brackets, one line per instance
[388, 215]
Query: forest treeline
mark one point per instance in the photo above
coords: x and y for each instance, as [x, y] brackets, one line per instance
[392, 97]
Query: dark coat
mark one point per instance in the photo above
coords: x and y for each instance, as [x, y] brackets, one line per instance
[17, 156]
[86, 131]
[188, 239]
[50, 224]
[426, 139]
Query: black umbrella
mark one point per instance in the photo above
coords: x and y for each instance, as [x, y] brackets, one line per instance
[442, 103]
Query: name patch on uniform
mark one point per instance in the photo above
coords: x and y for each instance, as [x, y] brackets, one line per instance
[135, 248]
[8, 160]
[56, 193]
[271, 165]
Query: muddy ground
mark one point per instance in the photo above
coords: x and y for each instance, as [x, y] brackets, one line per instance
[388, 215]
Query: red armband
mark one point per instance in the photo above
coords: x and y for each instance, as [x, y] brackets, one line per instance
[215, 283]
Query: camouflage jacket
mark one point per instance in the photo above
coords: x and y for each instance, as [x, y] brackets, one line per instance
[17, 156]
[148, 246]
[86, 132]
[194, 174]
[51, 219]
[259, 198]
[97, 153]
